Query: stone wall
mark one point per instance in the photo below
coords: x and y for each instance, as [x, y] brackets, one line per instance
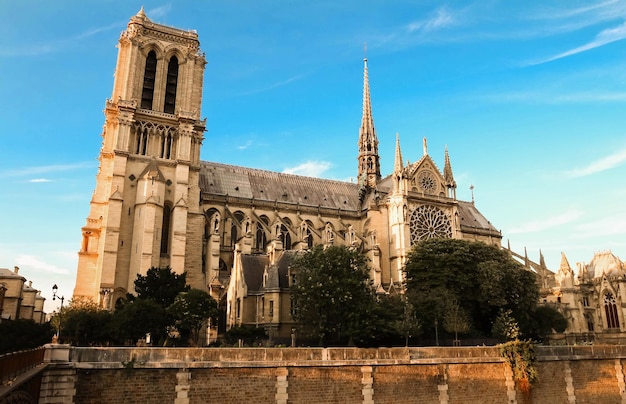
[332, 375]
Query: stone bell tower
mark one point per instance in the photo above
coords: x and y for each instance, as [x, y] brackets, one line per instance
[145, 208]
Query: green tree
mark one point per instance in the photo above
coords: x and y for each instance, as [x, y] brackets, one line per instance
[482, 278]
[332, 294]
[161, 285]
[191, 310]
[18, 335]
[83, 322]
[250, 335]
[134, 319]
[455, 319]
[406, 323]
[505, 328]
[545, 320]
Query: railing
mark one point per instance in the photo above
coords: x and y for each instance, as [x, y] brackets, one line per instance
[16, 363]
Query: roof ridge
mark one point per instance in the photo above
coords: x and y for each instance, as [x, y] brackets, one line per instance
[259, 170]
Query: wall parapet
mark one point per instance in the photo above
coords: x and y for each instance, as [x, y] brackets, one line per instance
[147, 357]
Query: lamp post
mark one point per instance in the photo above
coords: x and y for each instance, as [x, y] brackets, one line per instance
[55, 289]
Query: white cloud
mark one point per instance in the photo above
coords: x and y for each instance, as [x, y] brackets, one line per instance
[58, 44]
[603, 164]
[38, 170]
[38, 180]
[605, 37]
[309, 169]
[605, 227]
[540, 225]
[245, 145]
[32, 262]
[545, 97]
[158, 12]
[441, 19]
[275, 85]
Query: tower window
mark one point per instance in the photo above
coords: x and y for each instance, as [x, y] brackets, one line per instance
[165, 235]
[610, 310]
[170, 86]
[148, 81]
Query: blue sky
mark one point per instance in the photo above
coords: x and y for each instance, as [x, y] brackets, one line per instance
[529, 97]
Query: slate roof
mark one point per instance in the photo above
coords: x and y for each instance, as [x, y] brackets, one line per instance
[253, 267]
[8, 273]
[223, 179]
[472, 219]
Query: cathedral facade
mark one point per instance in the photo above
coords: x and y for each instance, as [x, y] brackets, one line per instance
[232, 229]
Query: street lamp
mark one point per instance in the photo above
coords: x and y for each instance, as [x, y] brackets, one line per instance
[55, 289]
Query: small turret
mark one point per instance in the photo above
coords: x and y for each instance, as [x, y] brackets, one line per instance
[448, 176]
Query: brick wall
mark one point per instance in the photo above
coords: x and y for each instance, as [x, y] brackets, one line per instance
[299, 375]
[126, 386]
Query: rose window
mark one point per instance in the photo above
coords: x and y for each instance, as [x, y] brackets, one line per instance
[429, 222]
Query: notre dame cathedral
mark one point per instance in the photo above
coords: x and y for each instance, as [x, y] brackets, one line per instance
[233, 228]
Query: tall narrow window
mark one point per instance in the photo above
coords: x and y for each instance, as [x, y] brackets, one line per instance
[170, 86]
[149, 77]
[165, 235]
[285, 237]
[610, 309]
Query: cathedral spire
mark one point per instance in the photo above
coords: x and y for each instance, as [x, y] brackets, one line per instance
[369, 161]
[448, 176]
[398, 163]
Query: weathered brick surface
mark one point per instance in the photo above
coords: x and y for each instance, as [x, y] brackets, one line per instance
[480, 382]
[127, 386]
[595, 382]
[550, 387]
[406, 384]
[325, 385]
[238, 385]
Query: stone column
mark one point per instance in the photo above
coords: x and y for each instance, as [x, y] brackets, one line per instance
[182, 387]
[367, 380]
[58, 382]
[281, 385]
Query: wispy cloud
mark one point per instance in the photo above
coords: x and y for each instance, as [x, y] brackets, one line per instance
[245, 146]
[32, 262]
[58, 44]
[546, 97]
[274, 85]
[442, 18]
[605, 37]
[39, 180]
[158, 12]
[609, 226]
[40, 170]
[603, 164]
[309, 169]
[544, 224]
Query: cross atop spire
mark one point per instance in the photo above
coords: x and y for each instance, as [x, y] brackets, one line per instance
[369, 161]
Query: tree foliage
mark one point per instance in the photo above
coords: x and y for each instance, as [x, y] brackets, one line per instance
[161, 285]
[18, 335]
[134, 319]
[82, 323]
[191, 310]
[482, 278]
[332, 294]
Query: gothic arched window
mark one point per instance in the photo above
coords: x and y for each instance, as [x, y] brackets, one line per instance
[261, 238]
[149, 77]
[610, 309]
[170, 86]
[285, 237]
